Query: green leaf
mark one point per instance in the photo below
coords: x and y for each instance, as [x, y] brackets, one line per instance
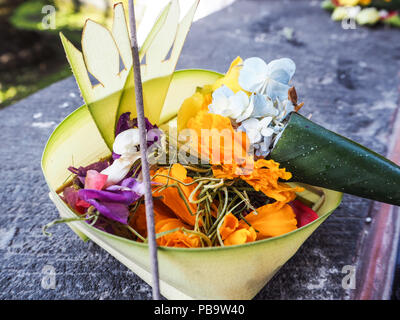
[158, 70]
[323, 158]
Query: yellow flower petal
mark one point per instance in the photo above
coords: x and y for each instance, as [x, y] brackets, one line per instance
[231, 79]
[190, 107]
[348, 3]
[202, 97]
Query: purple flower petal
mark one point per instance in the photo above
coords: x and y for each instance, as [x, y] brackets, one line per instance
[123, 197]
[148, 124]
[114, 211]
[102, 224]
[129, 184]
[134, 185]
[115, 156]
[124, 123]
[81, 180]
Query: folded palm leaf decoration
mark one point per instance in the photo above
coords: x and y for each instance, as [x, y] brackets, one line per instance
[313, 154]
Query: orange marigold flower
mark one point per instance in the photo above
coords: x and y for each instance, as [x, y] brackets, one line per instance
[161, 212]
[229, 225]
[215, 140]
[241, 236]
[273, 220]
[177, 238]
[264, 177]
[234, 232]
[171, 196]
[164, 220]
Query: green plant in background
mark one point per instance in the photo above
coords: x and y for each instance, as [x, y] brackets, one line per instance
[28, 82]
[70, 15]
[25, 76]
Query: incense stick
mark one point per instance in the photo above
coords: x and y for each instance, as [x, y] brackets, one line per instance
[143, 149]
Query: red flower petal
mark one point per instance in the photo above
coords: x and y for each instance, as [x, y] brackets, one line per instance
[81, 206]
[304, 214]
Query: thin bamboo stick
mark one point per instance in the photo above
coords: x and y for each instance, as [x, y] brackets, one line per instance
[143, 150]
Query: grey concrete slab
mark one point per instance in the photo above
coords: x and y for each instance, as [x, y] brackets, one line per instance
[348, 80]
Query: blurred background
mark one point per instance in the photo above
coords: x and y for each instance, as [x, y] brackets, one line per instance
[31, 54]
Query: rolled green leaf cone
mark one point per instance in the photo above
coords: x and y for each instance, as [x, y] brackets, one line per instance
[319, 157]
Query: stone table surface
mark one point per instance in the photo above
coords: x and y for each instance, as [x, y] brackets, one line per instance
[348, 80]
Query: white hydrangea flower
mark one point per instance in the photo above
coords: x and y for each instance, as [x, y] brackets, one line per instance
[127, 145]
[259, 134]
[263, 148]
[270, 79]
[284, 108]
[256, 129]
[261, 114]
[263, 107]
[227, 103]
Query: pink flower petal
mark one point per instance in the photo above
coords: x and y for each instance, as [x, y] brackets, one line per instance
[95, 180]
